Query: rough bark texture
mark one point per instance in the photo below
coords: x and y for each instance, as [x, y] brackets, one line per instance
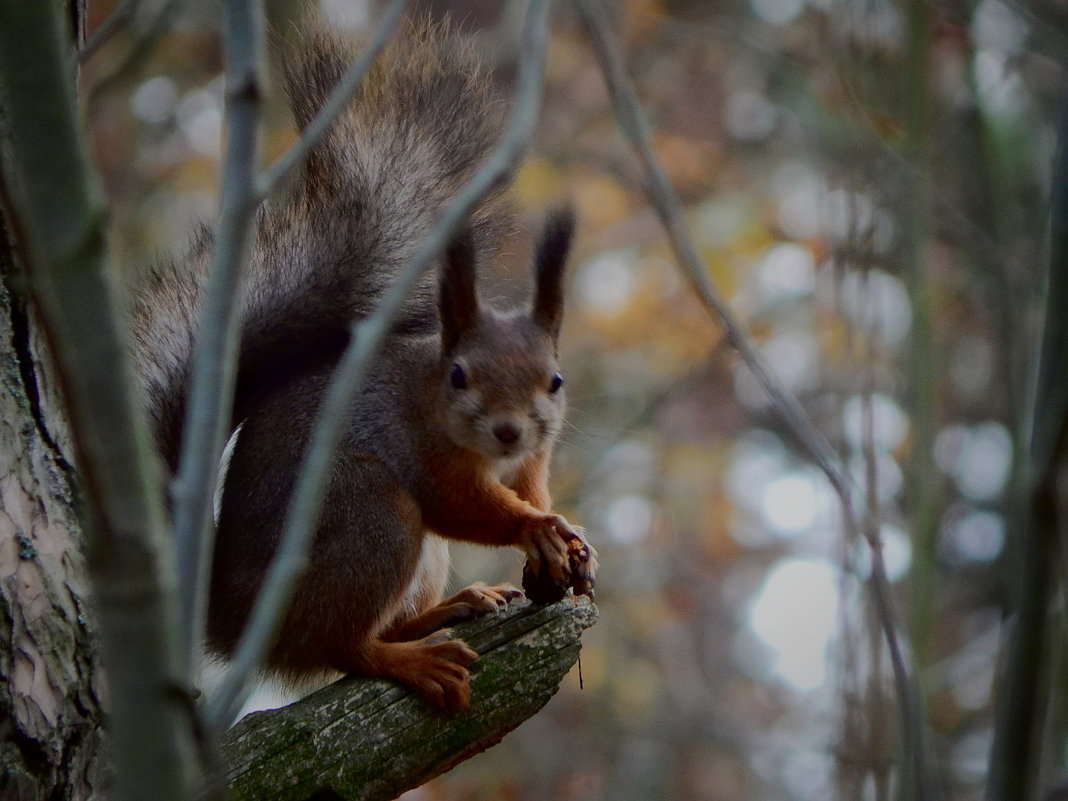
[51, 740]
[372, 740]
[50, 711]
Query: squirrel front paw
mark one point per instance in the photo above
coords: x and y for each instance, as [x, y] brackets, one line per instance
[559, 558]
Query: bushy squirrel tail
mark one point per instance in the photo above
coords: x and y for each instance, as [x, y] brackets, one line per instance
[323, 255]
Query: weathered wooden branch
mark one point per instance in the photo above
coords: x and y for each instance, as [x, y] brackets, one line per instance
[364, 740]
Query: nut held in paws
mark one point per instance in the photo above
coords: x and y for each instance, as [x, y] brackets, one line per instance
[540, 587]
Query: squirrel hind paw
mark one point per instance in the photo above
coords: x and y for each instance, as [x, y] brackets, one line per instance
[435, 667]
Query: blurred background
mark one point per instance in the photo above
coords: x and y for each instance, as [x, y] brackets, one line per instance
[867, 182]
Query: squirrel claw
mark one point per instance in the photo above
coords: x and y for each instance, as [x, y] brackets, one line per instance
[549, 540]
[546, 581]
[480, 599]
[583, 565]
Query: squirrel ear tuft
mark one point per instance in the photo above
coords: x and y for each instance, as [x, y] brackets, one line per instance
[549, 263]
[458, 295]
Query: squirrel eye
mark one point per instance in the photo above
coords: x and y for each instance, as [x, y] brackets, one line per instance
[556, 382]
[457, 377]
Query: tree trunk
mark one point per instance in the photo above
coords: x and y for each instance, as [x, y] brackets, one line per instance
[51, 736]
[50, 709]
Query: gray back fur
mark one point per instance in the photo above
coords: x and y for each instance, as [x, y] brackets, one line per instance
[323, 255]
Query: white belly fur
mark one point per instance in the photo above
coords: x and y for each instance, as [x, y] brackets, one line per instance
[427, 586]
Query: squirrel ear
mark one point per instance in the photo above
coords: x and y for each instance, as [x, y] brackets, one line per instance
[549, 263]
[458, 296]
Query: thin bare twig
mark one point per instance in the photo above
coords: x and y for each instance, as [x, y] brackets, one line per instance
[212, 386]
[665, 200]
[367, 339]
[116, 21]
[207, 417]
[130, 65]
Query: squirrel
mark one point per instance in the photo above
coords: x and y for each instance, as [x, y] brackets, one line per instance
[451, 436]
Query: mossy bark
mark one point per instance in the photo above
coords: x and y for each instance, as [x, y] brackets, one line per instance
[364, 740]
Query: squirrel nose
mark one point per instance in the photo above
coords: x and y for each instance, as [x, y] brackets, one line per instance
[507, 433]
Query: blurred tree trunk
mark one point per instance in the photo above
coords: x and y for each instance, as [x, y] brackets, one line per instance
[50, 707]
